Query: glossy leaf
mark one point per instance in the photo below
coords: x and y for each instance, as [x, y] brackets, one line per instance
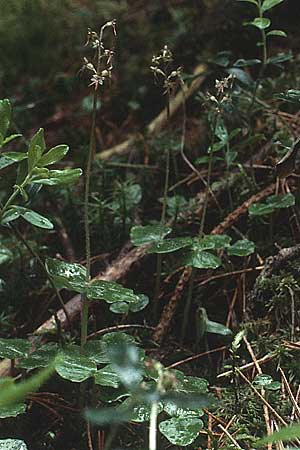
[9, 158]
[10, 138]
[67, 275]
[169, 245]
[57, 177]
[202, 260]
[241, 248]
[41, 357]
[54, 155]
[119, 308]
[254, 2]
[269, 4]
[14, 348]
[277, 33]
[193, 384]
[110, 292]
[107, 376]
[36, 148]
[272, 203]
[12, 444]
[280, 58]
[6, 255]
[34, 218]
[217, 328]
[116, 338]
[291, 95]
[95, 350]
[148, 234]
[74, 366]
[181, 432]
[12, 411]
[246, 62]
[261, 23]
[175, 411]
[212, 241]
[141, 303]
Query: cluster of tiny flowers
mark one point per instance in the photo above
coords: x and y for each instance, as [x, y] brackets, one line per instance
[223, 87]
[159, 67]
[102, 69]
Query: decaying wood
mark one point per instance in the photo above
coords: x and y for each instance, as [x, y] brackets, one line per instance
[157, 124]
[114, 272]
[242, 209]
[170, 309]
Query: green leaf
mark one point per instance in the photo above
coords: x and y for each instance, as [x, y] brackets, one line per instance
[277, 33]
[119, 308]
[291, 95]
[260, 22]
[74, 366]
[5, 115]
[57, 177]
[269, 4]
[140, 413]
[266, 381]
[36, 148]
[5, 254]
[34, 218]
[169, 245]
[116, 338]
[285, 434]
[107, 376]
[12, 411]
[96, 352]
[193, 384]
[10, 138]
[202, 260]
[246, 62]
[180, 431]
[54, 155]
[254, 2]
[12, 444]
[40, 357]
[280, 58]
[110, 292]
[217, 328]
[9, 158]
[16, 392]
[272, 203]
[141, 303]
[241, 75]
[175, 411]
[150, 233]
[14, 348]
[67, 275]
[241, 248]
[212, 241]
[10, 215]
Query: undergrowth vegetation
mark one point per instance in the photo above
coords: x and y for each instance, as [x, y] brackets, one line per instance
[150, 269]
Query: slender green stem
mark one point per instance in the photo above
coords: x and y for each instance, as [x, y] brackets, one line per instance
[163, 217]
[91, 151]
[201, 232]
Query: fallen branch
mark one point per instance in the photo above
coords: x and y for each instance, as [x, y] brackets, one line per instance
[157, 124]
[170, 309]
